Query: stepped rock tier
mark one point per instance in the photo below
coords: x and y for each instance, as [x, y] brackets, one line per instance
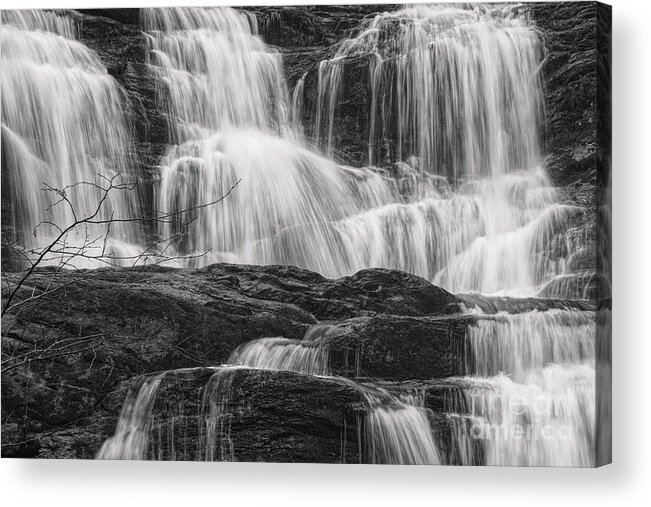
[354, 234]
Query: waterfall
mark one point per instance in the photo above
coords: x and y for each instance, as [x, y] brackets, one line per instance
[297, 103]
[464, 84]
[376, 74]
[228, 108]
[131, 439]
[215, 72]
[63, 127]
[216, 395]
[398, 431]
[293, 205]
[523, 342]
[547, 420]
[309, 355]
[532, 400]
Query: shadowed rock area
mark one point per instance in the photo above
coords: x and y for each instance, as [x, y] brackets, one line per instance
[75, 341]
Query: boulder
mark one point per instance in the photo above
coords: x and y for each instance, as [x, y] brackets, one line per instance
[73, 341]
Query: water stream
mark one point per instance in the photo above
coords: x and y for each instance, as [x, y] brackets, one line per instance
[64, 137]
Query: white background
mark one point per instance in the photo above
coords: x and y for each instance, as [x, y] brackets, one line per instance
[627, 481]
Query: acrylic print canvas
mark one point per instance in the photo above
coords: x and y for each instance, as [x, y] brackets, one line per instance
[374, 234]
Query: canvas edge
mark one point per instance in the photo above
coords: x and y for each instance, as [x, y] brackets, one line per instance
[603, 343]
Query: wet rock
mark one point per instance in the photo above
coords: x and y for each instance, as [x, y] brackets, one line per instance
[270, 416]
[399, 348]
[495, 304]
[368, 291]
[569, 73]
[69, 354]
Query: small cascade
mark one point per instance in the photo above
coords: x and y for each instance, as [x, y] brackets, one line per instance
[43, 21]
[547, 420]
[132, 435]
[464, 450]
[216, 395]
[398, 430]
[297, 103]
[215, 72]
[489, 238]
[531, 402]
[142, 434]
[523, 342]
[309, 355]
[64, 127]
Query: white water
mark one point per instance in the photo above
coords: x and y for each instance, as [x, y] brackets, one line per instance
[528, 341]
[309, 355]
[214, 71]
[533, 400]
[547, 420]
[63, 126]
[398, 430]
[218, 445]
[294, 206]
[132, 435]
[461, 84]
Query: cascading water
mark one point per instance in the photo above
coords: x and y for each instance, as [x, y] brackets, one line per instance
[63, 126]
[533, 400]
[461, 85]
[294, 206]
[215, 72]
[528, 341]
[397, 428]
[309, 355]
[216, 395]
[131, 439]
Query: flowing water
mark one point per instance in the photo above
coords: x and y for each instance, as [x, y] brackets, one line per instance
[486, 229]
[309, 355]
[64, 129]
[461, 198]
[397, 429]
[132, 435]
[532, 401]
[459, 86]
[217, 441]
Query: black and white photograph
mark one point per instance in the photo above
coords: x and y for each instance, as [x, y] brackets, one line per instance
[347, 234]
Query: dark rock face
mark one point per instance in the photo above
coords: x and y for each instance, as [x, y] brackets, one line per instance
[366, 292]
[399, 348]
[570, 89]
[70, 355]
[273, 416]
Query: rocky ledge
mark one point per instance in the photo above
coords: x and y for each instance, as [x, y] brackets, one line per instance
[73, 343]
